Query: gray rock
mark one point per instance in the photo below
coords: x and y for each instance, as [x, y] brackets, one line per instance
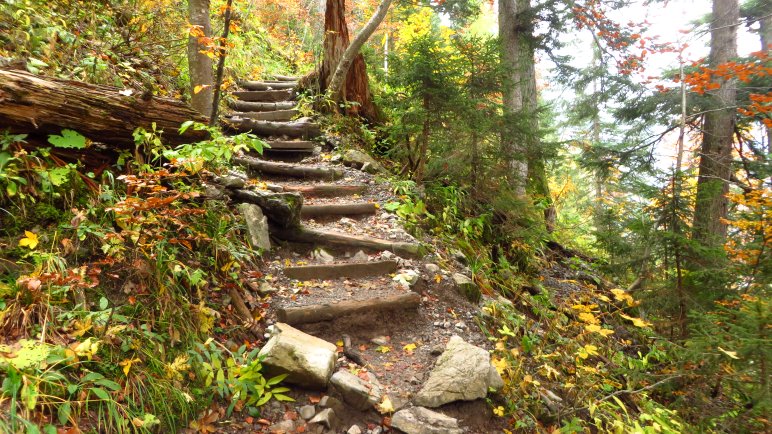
[386, 254]
[463, 372]
[376, 430]
[432, 268]
[257, 226]
[325, 417]
[322, 256]
[330, 402]
[266, 289]
[359, 160]
[231, 181]
[308, 360]
[360, 256]
[282, 209]
[419, 420]
[459, 256]
[355, 429]
[380, 340]
[307, 411]
[466, 287]
[357, 392]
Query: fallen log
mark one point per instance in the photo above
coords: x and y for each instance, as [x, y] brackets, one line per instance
[335, 271]
[303, 234]
[44, 105]
[295, 129]
[284, 169]
[337, 209]
[326, 190]
[294, 145]
[264, 95]
[246, 106]
[285, 78]
[268, 85]
[328, 312]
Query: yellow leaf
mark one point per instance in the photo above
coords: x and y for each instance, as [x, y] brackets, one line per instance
[731, 354]
[437, 278]
[385, 406]
[383, 349]
[339, 343]
[636, 321]
[588, 318]
[499, 364]
[409, 348]
[499, 411]
[199, 88]
[30, 240]
[127, 365]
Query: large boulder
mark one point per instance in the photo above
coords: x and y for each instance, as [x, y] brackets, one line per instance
[257, 226]
[358, 392]
[359, 160]
[282, 209]
[462, 372]
[308, 360]
[419, 420]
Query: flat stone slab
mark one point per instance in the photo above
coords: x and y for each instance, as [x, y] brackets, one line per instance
[331, 311]
[336, 271]
[419, 420]
[462, 373]
[308, 360]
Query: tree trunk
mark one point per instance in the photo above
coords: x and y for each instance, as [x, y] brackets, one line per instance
[718, 132]
[520, 141]
[336, 40]
[199, 64]
[34, 104]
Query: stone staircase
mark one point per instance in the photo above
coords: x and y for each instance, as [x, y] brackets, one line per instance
[351, 274]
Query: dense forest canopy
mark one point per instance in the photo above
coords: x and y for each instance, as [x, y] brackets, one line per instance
[594, 177]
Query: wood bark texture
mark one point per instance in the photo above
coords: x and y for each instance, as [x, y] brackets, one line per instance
[328, 312]
[336, 40]
[199, 64]
[35, 104]
[718, 131]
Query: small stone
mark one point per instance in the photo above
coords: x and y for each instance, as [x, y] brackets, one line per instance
[407, 278]
[446, 325]
[376, 430]
[466, 287]
[307, 411]
[437, 350]
[419, 420]
[460, 325]
[432, 268]
[346, 221]
[266, 289]
[386, 254]
[354, 430]
[381, 340]
[322, 256]
[284, 426]
[437, 324]
[231, 181]
[325, 417]
[414, 381]
[257, 226]
[459, 256]
[360, 256]
[337, 158]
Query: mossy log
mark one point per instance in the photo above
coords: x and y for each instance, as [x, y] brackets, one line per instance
[303, 234]
[44, 105]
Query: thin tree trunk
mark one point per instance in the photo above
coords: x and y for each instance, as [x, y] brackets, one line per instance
[718, 132]
[221, 63]
[199, 64]
[339, 77]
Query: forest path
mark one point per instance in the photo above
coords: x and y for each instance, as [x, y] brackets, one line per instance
[354, 278]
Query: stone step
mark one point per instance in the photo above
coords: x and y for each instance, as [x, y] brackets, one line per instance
[304, 234]
[326, 190]
[246, 106]
[293, 145]
[267, 85]
[337, 209]
[287, 169]
[264, 95]
[275, 115]
[298, 129]
[311, 313]
[278, 77]
[336, 271]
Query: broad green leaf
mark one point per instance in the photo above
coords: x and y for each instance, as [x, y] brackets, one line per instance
[101, 393]
[64, 413]
[69, 139]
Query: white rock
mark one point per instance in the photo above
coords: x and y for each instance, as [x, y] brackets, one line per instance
[419, 420]
[356, 391]
[462, 372]
[308, 360]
